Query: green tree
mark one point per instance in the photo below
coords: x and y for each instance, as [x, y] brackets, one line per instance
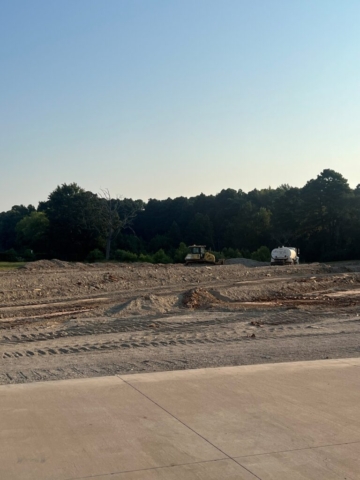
[325, 212]
[200, 230]
[32, 231]
[174, 234]
[75, 225]
[287, 217]
[8, 222]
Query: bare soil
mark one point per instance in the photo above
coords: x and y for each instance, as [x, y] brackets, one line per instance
[70, 320]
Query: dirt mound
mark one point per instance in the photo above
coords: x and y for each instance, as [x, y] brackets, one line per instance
[39, 265]
[246, 262]
[54, 264]
[147, 304]
[199, 298]
[63, 264]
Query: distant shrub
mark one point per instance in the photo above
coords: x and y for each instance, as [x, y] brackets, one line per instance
[9, 256]
[28, 255]
[262, 254]
[218, 255]
[125, 256]
[180, 253]
[95, 256]
[161, 257]
[145, 258]
[231, 253]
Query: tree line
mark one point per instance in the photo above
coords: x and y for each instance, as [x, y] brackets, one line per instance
[322, 218]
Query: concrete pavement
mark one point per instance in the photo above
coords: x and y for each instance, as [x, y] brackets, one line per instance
[290, 421]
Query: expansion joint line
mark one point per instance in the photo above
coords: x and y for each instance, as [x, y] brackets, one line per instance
[187, 426]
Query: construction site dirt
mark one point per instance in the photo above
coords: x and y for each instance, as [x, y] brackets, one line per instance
[70, 320]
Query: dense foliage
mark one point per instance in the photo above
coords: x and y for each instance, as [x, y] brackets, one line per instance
[322, 218]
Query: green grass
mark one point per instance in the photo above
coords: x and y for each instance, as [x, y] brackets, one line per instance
[10, 265]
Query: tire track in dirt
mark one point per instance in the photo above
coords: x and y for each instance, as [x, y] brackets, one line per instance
[185, 355]
[171, 339]
[161, 326]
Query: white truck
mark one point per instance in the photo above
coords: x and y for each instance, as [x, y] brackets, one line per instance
[285, 256]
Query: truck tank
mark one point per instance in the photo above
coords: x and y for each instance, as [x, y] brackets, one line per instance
[284, 256]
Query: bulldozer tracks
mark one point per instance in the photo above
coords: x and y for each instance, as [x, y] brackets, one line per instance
[130, 345]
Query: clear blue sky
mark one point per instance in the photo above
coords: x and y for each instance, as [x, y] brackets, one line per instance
[162, 98]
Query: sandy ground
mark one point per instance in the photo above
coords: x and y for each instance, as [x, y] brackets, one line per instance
[61, 320]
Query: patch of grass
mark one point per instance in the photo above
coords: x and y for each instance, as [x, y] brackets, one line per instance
[10, 265]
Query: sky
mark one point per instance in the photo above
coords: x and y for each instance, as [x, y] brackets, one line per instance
[168, 98]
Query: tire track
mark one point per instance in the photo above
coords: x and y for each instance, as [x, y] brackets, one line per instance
[279, 317]
[154, 343]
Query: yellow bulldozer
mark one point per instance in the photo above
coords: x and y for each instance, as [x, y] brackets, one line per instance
[198, 254]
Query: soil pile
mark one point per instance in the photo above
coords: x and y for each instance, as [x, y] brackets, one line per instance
[199, 298]
[145, 304]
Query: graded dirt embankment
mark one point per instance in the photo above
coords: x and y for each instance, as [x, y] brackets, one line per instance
[65, 320]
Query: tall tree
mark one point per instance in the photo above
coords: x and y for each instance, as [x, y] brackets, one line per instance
[324, 211]
[287, 216]
[117, 214]
[74, 224]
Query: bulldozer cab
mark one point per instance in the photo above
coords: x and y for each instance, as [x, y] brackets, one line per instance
[197, 250]
[198, 254]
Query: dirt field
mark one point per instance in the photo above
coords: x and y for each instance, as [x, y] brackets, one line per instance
[60, 320]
